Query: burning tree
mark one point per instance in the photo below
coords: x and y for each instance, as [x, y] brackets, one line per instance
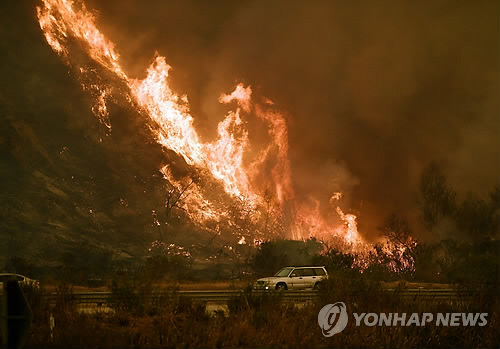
[173, 201]
[400, 245]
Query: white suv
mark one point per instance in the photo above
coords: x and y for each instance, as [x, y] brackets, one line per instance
[293, 278]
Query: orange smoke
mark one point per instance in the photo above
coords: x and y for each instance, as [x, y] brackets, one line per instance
[64, 22]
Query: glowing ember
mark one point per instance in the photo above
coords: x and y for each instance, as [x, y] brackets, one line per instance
[336, 196]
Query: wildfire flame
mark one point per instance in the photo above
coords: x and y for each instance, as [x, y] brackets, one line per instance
[65, 22]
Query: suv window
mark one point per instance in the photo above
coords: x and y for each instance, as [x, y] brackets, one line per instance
[319, 271]
[283, 272]
[308, 272]
[297, 272]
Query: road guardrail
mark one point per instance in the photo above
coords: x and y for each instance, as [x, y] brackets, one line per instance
[223, 296]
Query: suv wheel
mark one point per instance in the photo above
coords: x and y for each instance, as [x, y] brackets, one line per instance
[281, 286]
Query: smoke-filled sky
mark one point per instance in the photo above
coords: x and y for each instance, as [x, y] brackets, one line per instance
[373, 91]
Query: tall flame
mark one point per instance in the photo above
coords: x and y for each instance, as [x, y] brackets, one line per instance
[69, 26]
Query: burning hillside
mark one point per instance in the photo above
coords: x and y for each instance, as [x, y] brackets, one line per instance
[226, 175]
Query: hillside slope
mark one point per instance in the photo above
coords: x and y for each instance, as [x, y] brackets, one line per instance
[66, 180]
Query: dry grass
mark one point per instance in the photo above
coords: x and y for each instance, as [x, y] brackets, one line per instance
[260, 322]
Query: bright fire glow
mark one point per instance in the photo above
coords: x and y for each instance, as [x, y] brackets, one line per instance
[69, 26]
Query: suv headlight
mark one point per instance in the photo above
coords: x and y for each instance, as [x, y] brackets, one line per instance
[268, 285]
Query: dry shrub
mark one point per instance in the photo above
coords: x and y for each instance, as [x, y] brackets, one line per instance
[267, 322]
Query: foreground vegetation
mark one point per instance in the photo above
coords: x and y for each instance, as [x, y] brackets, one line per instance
[256, 321]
